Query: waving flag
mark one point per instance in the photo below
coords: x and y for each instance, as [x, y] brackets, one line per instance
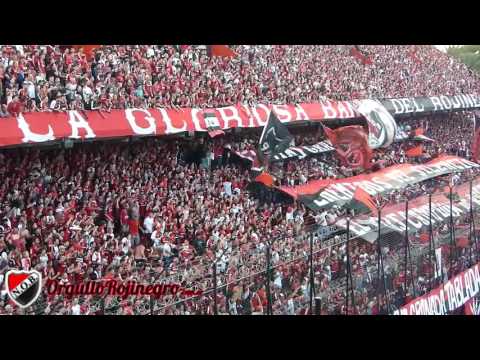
[362, 201]
[462, 242]
[213, 126]
[181, 48]
[88, 50]
[360, 55]
[220, 50]
[275, 139]
[415, 152]
[351, 145]
[413, 54]
[382, 128]
[418, 131]
[265, 178]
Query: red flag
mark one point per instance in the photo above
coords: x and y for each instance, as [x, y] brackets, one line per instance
[365, 60]
[364, 198]
[265, 178]
[418, 132]
[215, 133]
[354, 138]
[424, 238]
[462, 242]
[415, 152]
[15, 107]
[413, 55]
[88, 50]
[221, 50]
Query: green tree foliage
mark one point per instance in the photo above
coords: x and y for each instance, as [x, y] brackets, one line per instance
[468, 54]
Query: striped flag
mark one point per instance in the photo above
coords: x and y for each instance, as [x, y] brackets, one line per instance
[212, 123]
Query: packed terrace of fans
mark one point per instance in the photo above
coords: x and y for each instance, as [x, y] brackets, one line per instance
[54, 78]
[157, 210]
[99, 201]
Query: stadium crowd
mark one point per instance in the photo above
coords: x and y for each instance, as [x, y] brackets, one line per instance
[57, 78]
[165, 210]
[155, 210]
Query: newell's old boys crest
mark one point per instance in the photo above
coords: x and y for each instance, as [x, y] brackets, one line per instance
[382, 127]
[23, 287]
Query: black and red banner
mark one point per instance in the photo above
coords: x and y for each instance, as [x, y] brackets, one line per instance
[293, 152]
[50, 126]
[321, 194]
[393, 216]
[462, 289]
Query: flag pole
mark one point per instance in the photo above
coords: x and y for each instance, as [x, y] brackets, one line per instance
[452, 245]
[430, 240]
[349, 272]
[433, 238]
[412, 280]
[347, 278]
[312, 278]
[406, 247]
[215, 311]
[473, 221]
[269, 296]
[470, 226]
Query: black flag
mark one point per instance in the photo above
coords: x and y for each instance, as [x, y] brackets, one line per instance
[275, 139]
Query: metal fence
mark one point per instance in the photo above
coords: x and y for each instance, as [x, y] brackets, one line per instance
[322, 274]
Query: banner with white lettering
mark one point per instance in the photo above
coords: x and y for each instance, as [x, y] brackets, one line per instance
[50, 126]
[301, 152]
[293, 152]
[393, 216]
[448, 297]
[411, 105]
[321, 194]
